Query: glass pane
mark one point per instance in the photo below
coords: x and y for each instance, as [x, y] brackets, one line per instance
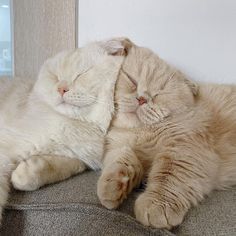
[5, 38]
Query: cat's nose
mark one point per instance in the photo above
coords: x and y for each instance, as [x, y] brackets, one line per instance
[62, 90]
[141, 100]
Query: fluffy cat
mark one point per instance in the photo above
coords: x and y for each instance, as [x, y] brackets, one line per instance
[178, 135]
[65, 113]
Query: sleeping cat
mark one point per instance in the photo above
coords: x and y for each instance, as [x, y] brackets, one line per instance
[178, 135]
[66, 113]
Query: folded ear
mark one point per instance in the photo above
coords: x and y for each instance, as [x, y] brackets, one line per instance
[117, 46]
[193, 86]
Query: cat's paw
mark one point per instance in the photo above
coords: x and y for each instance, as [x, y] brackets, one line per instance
[27, 175]
[114, 185]
[150, 212]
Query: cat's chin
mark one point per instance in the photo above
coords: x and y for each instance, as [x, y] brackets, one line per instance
[81, 108]
[77, 105]
[82, 113]
[128, 120]
[134, 116]
[133, 119]
[69, 110]
[65, 107]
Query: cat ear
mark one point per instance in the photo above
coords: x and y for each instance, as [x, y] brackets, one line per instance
[117, 46]
[193, 86]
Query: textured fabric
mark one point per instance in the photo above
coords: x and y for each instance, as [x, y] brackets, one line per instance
[72, 208]
[215, 216]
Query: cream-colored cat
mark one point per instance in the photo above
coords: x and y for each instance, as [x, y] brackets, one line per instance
[65, 113]
[179, 136]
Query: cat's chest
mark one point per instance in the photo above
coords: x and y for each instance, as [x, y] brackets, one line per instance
[156, 139]
[72, 132]
[74, 139]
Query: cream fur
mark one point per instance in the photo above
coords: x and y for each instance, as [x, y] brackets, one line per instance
[182, 141]
[37, 122]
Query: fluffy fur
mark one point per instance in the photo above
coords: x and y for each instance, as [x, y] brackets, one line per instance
[65, 113]
[181, 141]
[178, 135]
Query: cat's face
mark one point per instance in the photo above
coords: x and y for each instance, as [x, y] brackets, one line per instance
[149, 90]
[71, 82]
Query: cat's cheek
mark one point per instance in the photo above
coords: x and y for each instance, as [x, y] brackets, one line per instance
[131, 116]
[127, 107]
[57, 101]
[132, 120]
[141, 113]
[130, 110]
[53, 97]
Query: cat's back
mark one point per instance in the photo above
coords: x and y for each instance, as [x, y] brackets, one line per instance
[221, 98]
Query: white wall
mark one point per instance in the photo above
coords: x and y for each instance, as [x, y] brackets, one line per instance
[197, 36]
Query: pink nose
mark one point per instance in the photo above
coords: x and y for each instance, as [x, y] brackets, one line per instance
[62, 90]
[141, 100]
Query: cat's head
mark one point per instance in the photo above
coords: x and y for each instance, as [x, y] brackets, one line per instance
[149, 90]
[73, 82]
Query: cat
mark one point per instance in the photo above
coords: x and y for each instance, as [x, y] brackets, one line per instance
[178, 135]
[65, 113]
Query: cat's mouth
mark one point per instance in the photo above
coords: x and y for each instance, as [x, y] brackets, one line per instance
[130, 110]
[77, 105]
[133, 113]
[140, 113]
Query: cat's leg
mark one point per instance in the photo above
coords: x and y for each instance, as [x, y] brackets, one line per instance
[174, 184]
[121, 173]
[38, 171]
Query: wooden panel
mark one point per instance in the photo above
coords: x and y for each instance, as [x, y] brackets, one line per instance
[41, 29]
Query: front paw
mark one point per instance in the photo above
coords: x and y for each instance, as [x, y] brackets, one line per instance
[151, 212]
[114, 184]
[27, 175]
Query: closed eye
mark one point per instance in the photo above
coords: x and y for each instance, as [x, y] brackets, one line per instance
[161, 92]
[155, 95]
[168, 80]
[130, 78]
[80, 74]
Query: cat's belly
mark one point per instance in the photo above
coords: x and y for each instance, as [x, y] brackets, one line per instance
[159, 139]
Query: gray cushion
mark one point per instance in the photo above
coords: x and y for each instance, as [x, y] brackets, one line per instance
[72, 208]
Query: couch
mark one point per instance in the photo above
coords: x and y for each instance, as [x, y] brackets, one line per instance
[72, 208]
